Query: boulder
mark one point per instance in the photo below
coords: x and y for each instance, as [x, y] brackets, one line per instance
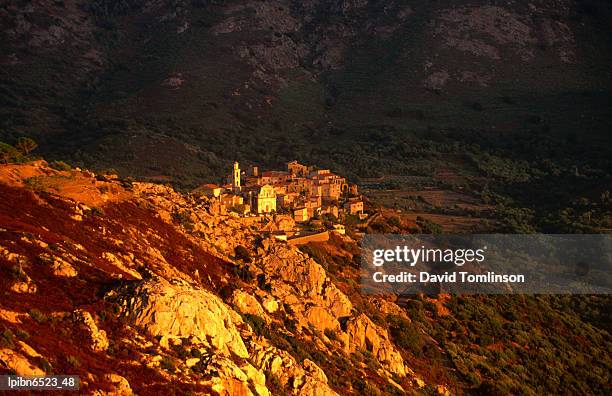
[228, 379]
[365, 335]
[18, 363]
[26, 286]
[248, 304]
[293, 267]
[123, 264]
[270, 304]
[97, 337]
[180, 310]
[119, 386]
[304, 381]
[59, 266]
[321, 319]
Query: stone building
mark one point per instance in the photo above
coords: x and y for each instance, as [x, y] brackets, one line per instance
[297, 169]
[354, 206]
[330, 209]
[275, 177]
[266, 200]
[230, 200]
[300, 214]
[209, 190]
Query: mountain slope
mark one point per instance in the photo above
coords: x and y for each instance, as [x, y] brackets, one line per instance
[160, 88]
[137, 288]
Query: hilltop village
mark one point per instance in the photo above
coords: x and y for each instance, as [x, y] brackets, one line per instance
[303, 193]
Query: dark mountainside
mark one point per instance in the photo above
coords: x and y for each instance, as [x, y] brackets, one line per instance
[175, 90]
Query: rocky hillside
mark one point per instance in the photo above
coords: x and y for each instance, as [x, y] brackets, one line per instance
[158, 88]
[134, 286]
[139, 289]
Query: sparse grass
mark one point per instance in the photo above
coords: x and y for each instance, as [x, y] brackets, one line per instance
[74, 361]
[168, 364]
[18, 274]
[97, 211]
[45, 365]
[38, 316]
[7, 338]
[35, 183]
[60, 166]
[331, 334]
[24, 335]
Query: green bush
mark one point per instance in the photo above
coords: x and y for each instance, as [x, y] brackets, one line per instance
[331, 334]
[26, 145]
[74, 361]
[7, 338]
[405, 334]
[395, 222]
[258, 325]
[8, 153]
[38, 316]
[167, 363]
[427, 226]
[60, 166]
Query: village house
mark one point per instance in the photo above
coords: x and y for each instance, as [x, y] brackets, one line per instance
[209, 190]
[274, 177]
[300, 215]
[330, 209]
[230, 200]
[354, 207]
[297, 169]
[286, 200]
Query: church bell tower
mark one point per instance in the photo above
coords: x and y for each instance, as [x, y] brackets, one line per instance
[236, 181]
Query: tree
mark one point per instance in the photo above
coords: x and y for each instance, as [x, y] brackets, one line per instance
[26, 145]
[7, 152]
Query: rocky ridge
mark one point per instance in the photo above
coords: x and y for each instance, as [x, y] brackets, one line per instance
[154, 272]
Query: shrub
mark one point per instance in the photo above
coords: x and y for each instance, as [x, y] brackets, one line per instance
[73, 361]
[275, 385]
[257, 324]
[405, 334]
[331, 334]
[45, 366]
[167, 363]
[34, 183]
[7, 339]
[26, 145]
[38, 316]
[242, 253]
[183, 219]
[96, 211]
[60, 166]
[244, 273]
[24, 335]
[18, 274]
[8, 153]
[428, 226]
[395, 222]
[110, 172]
